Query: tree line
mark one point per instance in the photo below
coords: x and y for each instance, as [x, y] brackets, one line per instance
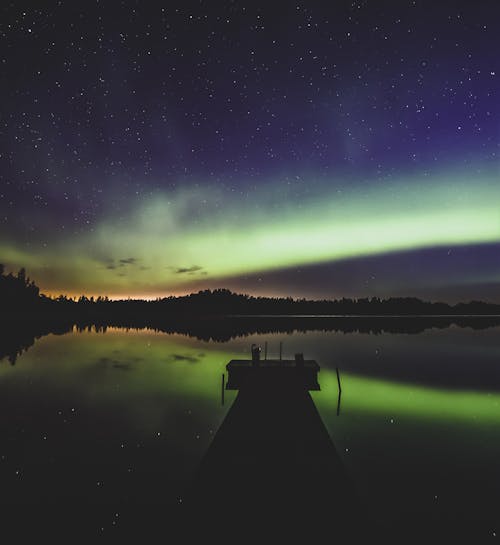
[19, 293]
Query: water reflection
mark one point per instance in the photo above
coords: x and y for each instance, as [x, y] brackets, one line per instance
[19, 337]
[105, 432]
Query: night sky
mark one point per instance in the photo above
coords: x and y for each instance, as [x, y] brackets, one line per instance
[306, 149]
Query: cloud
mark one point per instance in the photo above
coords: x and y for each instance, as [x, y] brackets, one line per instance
[112, 264]
[129, 261]
[188, 270]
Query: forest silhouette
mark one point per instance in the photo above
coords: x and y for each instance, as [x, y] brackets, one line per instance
[220, 314]
[18, 294]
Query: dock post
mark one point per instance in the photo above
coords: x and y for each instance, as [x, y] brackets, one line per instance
[265, 350]
[281, 349]
[222, 389]
[340, 391]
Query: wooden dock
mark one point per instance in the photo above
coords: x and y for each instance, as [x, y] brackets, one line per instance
[272, 471]
[282, 374]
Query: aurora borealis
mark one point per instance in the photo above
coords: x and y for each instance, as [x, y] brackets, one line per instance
[307, 149]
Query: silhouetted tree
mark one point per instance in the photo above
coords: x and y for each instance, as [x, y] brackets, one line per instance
[21, 275]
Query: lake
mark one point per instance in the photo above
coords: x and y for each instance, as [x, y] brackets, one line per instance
[103, 432]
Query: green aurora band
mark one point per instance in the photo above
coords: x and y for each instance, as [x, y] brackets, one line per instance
[172, 241]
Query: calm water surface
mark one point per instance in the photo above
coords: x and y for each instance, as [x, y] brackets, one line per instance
[98, 429]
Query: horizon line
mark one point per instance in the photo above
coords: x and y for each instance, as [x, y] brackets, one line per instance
[150, 298]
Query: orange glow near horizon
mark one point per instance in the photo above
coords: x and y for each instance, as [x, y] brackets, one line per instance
[174, 293]
[116, 296]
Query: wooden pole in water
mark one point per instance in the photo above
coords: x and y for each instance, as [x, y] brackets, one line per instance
[338, 380]
[281, 348]
[222, 389]
[265, 350]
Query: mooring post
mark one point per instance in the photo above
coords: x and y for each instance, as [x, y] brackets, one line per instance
[338, 379]
[265, 350]
[281, 349]
[222, 389]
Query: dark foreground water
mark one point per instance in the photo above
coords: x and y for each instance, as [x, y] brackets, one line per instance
[102, 435]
